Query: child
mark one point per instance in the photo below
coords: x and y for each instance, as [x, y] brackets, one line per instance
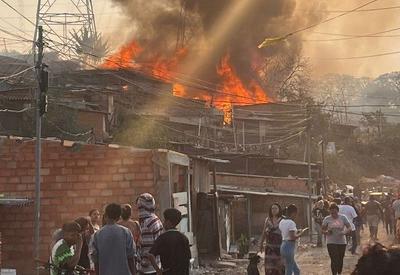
[172, 247]
[63, 256]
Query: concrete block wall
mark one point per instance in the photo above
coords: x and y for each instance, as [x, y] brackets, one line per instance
[74, 180]
[271, 183]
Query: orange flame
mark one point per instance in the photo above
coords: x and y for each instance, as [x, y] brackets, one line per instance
[124, 57]
[234, 91]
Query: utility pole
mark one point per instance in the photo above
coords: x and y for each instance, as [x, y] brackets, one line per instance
[41, 106]
[323, 166]
[309, 173]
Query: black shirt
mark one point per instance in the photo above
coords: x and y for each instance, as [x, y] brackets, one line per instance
[174, 251]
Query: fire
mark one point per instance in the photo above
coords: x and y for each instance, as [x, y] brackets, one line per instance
[124, 57]
[233, 90]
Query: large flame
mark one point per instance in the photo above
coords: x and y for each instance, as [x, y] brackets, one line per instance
[232, 90]
[124, 57]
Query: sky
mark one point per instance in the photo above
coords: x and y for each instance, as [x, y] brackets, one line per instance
[112, 23]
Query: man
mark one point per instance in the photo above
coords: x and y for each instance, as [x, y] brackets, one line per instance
[396, 208]
[319, 214]
[373, 211]
[113, 246]
[172, 247]
[63, 257]
[350, 213]
[151, 228]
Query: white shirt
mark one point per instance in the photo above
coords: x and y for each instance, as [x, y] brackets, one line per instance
[285, 226]
[350, 214]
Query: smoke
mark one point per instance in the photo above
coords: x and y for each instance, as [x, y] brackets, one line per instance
[215, 28]
[357, 23]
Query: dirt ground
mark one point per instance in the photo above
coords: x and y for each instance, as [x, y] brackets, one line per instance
[311, 260]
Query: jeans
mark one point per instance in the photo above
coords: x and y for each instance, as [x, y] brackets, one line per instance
[287, 253]
[318, 228]
[336, 253]
[353, 241]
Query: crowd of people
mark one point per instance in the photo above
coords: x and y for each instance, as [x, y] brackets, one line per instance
[339, 222]
[113, 243]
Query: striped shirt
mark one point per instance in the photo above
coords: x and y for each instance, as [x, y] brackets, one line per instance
[152, 228]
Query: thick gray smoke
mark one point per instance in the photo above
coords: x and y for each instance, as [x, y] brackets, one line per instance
[155, 23]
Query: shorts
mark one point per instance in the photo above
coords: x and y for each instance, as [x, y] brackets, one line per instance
[373, 220]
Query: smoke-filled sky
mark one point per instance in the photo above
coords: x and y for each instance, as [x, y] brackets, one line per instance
[216, 24]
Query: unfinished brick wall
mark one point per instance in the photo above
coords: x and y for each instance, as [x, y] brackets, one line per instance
[74, 180]
[264, 182]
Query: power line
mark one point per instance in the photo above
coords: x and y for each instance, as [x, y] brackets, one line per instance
[16, 111]
[331, 18]
[14, 9]
[354, 36]
[16, 74]
[361, 56]
[366, 10]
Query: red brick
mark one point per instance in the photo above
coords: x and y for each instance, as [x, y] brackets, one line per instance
[70, 163]
[106, 192]
[124, 184]
[112, 170]
[117, 177]
[128, 161]
[129, 176]
[66, 171]
[82, 163]
[11, 164]
[45, 171]
[61, 178]
[27, 179]
[72, 178]
[59, 163]
[11, 180]
[101, 185]
[47, 164]
[53, 156]
[83, 177]
[89, 170]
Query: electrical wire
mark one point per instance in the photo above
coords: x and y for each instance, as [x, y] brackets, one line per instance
[330, 19]
[16, 111]
[16, 74]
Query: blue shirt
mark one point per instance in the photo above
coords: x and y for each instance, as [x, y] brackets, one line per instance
[112, 246]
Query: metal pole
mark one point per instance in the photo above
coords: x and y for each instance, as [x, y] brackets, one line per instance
[36, 30]
[323, 167]
[309, 174]
[38, 145]
[216, 211]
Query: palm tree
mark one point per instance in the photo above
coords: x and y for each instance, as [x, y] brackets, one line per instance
[90, 46]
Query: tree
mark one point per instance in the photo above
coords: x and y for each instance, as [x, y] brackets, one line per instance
[287, 77]
[91, 48]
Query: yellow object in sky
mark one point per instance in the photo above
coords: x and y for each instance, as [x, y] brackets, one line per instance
[271, 41]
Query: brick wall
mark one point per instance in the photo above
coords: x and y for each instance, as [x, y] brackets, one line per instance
[74, 180]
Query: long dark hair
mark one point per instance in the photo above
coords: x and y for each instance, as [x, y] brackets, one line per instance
[270, 210]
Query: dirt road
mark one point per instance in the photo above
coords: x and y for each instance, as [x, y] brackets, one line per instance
[311, 260]
[315, 261]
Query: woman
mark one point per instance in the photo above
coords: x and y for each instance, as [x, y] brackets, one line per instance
[273, 237]
[335, 227]
[94, 215]
[289, 236]
[132, 225]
